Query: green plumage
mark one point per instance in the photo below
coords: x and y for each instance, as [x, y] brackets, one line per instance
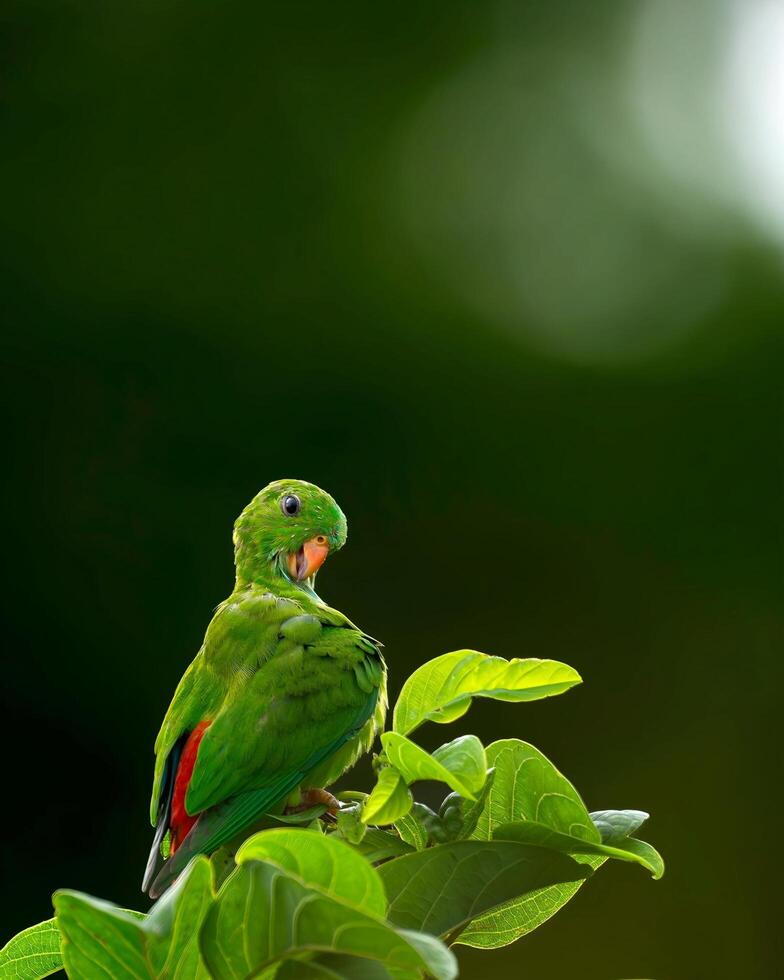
[294, 691]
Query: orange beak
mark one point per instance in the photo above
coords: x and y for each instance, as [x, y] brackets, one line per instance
[309, 559]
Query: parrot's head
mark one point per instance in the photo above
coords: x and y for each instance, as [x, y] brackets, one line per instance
[288, 529]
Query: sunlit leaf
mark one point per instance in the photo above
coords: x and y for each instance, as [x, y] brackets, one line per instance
[529, 791]
[171, 929]
[461, 764]
[320, 862]
[526, 783]
[390, 800]
[441, 690]
[33, 953]
[527, 786]
[103, 941]
[264, 915]
[99, 940]
[411, 829]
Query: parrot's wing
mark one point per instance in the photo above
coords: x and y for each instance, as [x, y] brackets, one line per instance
[306, 697]
[299, 707]
[243, 632]
[197, 695]
[190, 703]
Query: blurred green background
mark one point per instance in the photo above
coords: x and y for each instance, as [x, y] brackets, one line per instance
[508, 280]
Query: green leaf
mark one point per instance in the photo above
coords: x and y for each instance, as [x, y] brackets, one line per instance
[350, 826]
[472, 810]
[411, 829]
[442, 888]
[460, 764]
[331, 966]
[171, 929]
[324, 863]
[351, 796]
[614, 825]
[303, 817]
[526, 783]
[99, 940]
[527, 786]
[441, 690]
[431, 824]
[102, 941]
[390, 800]
[33, 953]
[380, 845]
[264, 915]
[517, 918]
[628, 849]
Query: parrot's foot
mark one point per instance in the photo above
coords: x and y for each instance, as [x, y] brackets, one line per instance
[316, 797]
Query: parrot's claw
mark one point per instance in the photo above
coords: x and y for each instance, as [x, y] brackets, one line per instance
[317, 797]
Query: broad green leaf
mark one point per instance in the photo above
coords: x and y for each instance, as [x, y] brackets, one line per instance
[442, 888]
[390, 800]
[628, 849]
[33, 953]
[324, 863]
[614, 825]
[517, 918]
[441, 690]
[264, 915]
[460, 764]
[102, 941]
[99, 940]
[465, 758]
[527, 786]
[411, 830]
[171, 929]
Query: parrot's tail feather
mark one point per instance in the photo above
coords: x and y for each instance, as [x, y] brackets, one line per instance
[164, 811]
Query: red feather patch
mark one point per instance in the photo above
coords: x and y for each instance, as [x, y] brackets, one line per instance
[181, 822]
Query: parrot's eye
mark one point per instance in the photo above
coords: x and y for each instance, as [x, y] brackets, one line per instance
[290, 504]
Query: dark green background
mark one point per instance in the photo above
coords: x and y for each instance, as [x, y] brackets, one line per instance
[205, 288]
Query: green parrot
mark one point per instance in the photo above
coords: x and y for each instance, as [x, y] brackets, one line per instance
[284, 695]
